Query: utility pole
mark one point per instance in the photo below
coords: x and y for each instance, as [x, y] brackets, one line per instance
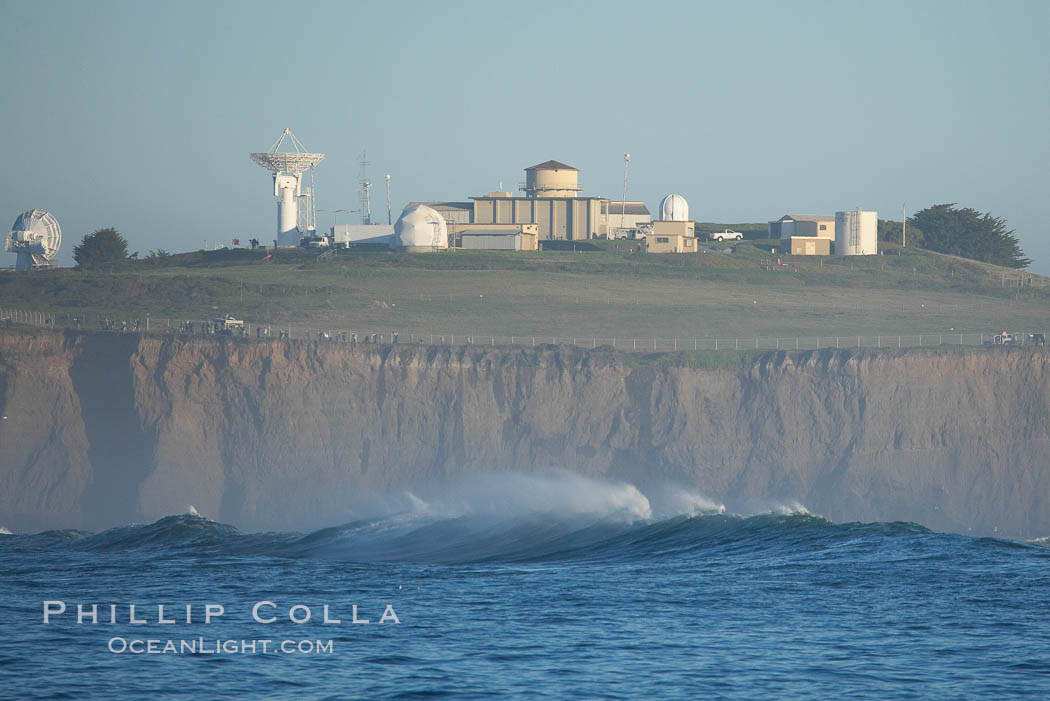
[904, 225]
[623, 202]
[387, 176]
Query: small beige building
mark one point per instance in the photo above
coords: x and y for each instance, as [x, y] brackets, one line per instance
[498, 237]
[672, 237]
[819, 225]
[809, 246]
[676, 228]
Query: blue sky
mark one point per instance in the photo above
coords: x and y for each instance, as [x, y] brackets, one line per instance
[141, 115]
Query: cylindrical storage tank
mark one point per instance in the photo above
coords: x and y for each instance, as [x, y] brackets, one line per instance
[552, 179]
[554, 183]
[856, 233]
[420, 229]
[674, 208]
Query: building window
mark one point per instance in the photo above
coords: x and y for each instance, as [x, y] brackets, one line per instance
[823, 227]
[662, 239]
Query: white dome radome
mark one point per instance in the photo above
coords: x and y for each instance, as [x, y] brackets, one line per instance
[674, 208]
[420, 228]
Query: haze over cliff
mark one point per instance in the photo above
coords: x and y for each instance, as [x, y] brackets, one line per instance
[103, 429]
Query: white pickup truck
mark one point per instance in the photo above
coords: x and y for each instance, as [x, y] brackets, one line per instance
[727, 235]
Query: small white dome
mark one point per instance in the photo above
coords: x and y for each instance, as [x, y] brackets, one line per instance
[674, 208]
[420, 228]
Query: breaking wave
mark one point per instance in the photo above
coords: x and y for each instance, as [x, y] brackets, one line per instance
[510, 517]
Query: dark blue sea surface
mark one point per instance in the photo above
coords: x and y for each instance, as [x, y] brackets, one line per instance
[564, 603]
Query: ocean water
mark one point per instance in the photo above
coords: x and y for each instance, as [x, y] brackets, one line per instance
[541, 587]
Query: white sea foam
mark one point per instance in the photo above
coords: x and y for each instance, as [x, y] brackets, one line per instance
[670, 501]
[5, 531]
[514, 494]
[511, 495]
[770, 507]
[791, 508]
[191, 510]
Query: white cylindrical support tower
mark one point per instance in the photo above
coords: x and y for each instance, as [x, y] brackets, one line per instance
[287, 210]
[856, 233]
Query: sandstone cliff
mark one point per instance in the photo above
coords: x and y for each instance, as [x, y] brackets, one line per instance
[103, 429]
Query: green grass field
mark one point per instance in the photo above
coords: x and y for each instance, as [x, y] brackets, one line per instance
[613, 291]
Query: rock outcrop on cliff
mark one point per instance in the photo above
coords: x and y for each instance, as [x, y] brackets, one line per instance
[103, 429]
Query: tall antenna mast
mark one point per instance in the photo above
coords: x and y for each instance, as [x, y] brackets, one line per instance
[366, 191]
[904, 225]
[623, 202]
[388, 217]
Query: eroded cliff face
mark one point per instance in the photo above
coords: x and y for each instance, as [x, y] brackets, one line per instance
[103, 429]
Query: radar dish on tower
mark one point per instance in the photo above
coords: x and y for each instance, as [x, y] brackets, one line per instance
[288, 167]
[296, 162]
[35, 237]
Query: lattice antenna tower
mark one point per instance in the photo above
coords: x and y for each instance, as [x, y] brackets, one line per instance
[366, 190]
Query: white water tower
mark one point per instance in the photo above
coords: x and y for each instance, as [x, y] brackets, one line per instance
[288, 168]
[856, 233]
[35, 237]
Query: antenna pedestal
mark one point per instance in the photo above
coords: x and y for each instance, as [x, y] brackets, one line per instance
[288, 168]
[287, 214]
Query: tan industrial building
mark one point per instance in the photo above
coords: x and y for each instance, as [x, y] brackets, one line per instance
[451, 212]
[551, 201]
[809, 246]
[672, 237]
[625, 218]
[819, 225]
[498, 237]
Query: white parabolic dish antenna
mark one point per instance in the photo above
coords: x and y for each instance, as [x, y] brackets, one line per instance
[288, 168]
[35, 237]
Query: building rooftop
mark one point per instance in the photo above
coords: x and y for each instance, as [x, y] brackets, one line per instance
[632, 208]
[807, 217]
[551, 165]
[443, 205]
[540, 197]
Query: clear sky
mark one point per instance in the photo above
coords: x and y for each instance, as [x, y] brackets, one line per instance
[141, 115]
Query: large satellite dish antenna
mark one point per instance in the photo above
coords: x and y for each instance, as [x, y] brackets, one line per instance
[288, 168]
[35, 237]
